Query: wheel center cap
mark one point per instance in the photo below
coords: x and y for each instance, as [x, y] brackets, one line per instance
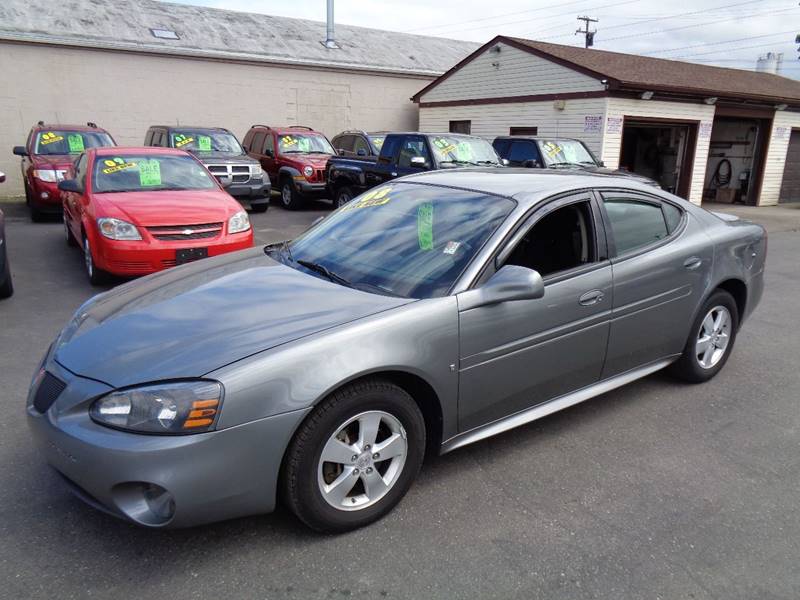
[363, 461]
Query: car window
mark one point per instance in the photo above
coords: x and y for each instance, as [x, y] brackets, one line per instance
[148, 139]
[565, 152]
[459, 150]
[561, 240]
[520, 151]
[377, 142]
[412, 147]
[269, 144]
[360, 146]
[200, 142]
[501, 146]
[635, 223]
[258, 142]
[343, 142]
[389, 149]
[80, 170]
[154, 172]
[403, 239]
[303, 143]
[69, 142]
[672, 215]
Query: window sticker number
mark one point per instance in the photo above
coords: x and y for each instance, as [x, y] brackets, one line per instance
[378, 143]
[444, 146]
[149, 173]
[377, 197]
[50, 138]
[116, 164]
[288, 140]
[181, 140]
[425, 226]
[551, 149]
[204, 143]
[75, 142]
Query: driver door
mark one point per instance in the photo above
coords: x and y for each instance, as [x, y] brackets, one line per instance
[517, 354]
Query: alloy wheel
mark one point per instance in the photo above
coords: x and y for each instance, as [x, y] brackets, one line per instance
[87, 258]
[713, 337]
[362, 460]
[342, 198]
[286, 194]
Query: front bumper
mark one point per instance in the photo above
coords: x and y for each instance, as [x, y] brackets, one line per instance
[45, 196]
[315, 190]
[209, 476]
[254, 189]
[144, 257]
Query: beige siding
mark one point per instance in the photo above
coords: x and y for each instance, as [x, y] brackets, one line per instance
[491, 120]
[683, 111]
[776, 156]
[125, 93]
[516, 73]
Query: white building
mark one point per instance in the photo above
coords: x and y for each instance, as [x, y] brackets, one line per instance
[692, 127]
[128, 64]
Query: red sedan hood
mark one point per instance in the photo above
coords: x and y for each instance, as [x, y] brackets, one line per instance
[166, 207]
[54, 161]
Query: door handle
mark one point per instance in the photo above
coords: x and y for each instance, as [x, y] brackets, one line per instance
[692, 263]
[590, 298]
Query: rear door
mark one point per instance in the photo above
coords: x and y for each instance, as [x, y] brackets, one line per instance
[515, 355]
[661, 257]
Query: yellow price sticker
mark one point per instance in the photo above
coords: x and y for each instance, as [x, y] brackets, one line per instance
[50, 138]
[117, 164]
[377, 197]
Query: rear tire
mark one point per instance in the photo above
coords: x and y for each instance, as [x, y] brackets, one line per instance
[290, 197]
[359, 485]
[711, 340]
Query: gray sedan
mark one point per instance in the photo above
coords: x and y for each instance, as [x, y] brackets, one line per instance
[424, 315]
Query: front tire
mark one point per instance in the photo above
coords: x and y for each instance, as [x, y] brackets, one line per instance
[343, 195]
[290, 197]
[711, 339]
[7, 286]
[70, 239]
[354, 457]
[96, 276]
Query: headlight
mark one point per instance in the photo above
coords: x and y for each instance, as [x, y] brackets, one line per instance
[115, 229]
[256, 170]
[173, 408]
[48, 175]
[308, 171]
[238, 222]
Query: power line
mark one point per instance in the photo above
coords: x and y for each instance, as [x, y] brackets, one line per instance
[731, 41]
[724, 50]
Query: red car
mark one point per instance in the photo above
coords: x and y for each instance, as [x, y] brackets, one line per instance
[140, 210]
[295, 158]
[48, 157]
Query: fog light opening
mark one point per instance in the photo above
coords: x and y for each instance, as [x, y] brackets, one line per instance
[145, 503]
[45, 195]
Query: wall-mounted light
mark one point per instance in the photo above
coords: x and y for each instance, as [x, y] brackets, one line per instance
[646, 95]
[711, 101]
[781, 106]
[559, 104]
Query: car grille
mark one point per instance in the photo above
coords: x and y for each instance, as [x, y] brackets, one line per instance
[168, 263]
[186, 232]
[129, 265]
[230, 173]
[49, 390]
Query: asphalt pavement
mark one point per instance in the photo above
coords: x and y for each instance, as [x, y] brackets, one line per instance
[655, 490]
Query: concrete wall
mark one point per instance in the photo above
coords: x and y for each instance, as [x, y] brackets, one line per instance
[618, 108]
[510, 72]
[126, 92]
[782, 126]
[491, 120]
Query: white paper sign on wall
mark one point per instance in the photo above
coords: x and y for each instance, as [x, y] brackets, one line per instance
[705, 129]
[593, 124]
[780, 133]
[614, 125]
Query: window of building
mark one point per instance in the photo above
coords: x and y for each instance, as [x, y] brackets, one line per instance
[561, 240]
[635, 223]
[523, 131]
[461, 127]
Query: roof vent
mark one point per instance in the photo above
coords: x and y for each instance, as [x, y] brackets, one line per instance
[164, 34]
[330, 41]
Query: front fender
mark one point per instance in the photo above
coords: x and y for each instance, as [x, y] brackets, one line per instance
[420, 338]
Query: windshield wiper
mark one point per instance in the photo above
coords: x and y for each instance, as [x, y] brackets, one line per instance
[458, 162]
[323, 270]
[561, 164]
[284, 248]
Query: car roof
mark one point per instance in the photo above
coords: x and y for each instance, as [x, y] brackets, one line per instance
[294, 128]
[113, 150]
[188, 128]
[66, 127]
[548, 138]
[528, 186]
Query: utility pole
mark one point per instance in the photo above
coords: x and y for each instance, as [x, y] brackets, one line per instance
[589, 34]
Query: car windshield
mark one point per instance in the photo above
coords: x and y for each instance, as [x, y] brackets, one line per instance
[401, 239]
[304, 143]
[377, 142]
[459, 150]
[154, 172]
[565, 152]
[69, 142]
[206, 141]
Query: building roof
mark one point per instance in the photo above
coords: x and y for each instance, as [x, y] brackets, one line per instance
[223, 34]
[641, 73]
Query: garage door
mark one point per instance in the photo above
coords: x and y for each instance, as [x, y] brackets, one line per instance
[790, 187]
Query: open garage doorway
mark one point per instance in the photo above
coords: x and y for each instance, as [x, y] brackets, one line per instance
[790, 186]
[735, 159]
[661, 150]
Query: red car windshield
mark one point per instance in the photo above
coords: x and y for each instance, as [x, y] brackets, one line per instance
[154, 172]
[303, 143]
[69, 142]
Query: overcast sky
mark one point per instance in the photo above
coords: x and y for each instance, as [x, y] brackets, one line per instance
[728, 33]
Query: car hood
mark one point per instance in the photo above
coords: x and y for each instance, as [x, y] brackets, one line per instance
[183, 207]
[53, 161]
[191, 320]
[315, 160]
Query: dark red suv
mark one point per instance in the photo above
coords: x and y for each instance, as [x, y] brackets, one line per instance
[295, 159]
[48, 157]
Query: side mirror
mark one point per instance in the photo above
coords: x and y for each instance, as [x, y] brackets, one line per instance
[600, 163]
[419, 162]
[362, 152]
[2, 177]
[504, 161]
[20, 151]
[531, 163]
[510, 283]
[69, 185]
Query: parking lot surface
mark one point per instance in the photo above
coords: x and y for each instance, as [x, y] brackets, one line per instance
[655, 490]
